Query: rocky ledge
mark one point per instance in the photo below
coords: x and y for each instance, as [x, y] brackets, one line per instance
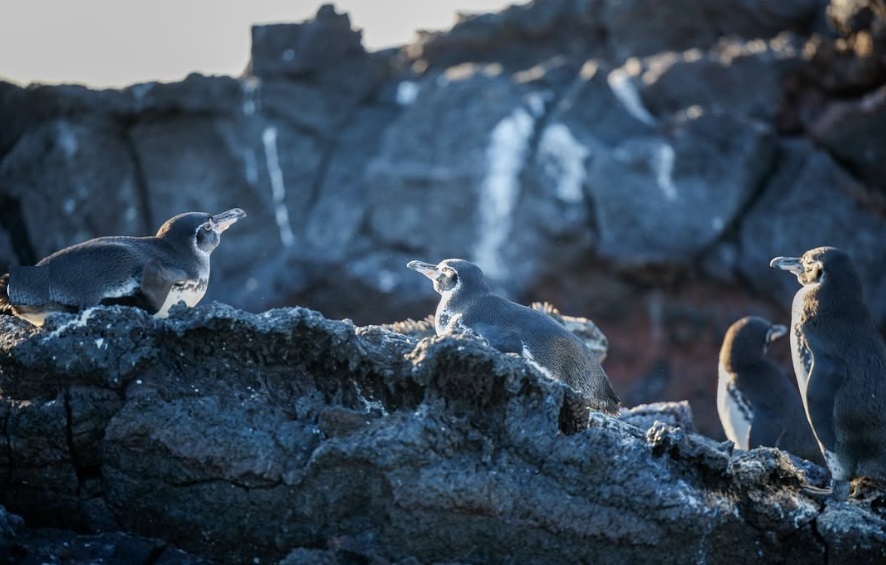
[284, 437]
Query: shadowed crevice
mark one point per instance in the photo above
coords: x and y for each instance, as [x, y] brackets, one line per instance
[69, 438]
[12, 220]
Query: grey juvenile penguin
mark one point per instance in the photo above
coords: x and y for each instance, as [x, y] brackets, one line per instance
[757, 404]
[152, 273]
[840, 363]
[467, 303]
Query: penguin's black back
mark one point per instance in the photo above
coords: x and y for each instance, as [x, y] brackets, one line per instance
[846, 393]
[511, 327]
[91, 272]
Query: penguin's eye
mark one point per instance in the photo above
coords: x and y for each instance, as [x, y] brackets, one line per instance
[207, 226]
[818, 270]
[447, 280]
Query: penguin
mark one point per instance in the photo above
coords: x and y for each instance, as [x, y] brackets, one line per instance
[468, 304]
[152, 273]
[757, 404]
[839, 361]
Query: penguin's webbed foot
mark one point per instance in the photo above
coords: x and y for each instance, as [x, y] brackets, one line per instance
[838, 492]
[816, 493]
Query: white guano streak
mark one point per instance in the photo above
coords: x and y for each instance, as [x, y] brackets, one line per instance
[623, 88]
[407, 92]
[564, 159]
[78, 322]
[664, 170]
[505, 156]
[67, 139]
[278, 189]
[250, 87]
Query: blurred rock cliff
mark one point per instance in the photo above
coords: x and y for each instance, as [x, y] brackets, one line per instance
[636, 162]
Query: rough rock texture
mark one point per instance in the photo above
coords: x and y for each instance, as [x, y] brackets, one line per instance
[635, 162]
[48, 545]
[287, 437]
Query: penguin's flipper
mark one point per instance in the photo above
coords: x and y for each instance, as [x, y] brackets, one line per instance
[157, 281]
[826, 377]
[504, 340]
[797, 437]
[153, 288]
[765, 431]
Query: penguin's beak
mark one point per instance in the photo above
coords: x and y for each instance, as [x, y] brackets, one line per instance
[221, 222]
[775, 332]
[791, 264]
[426, 269]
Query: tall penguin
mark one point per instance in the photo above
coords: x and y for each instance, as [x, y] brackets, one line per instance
[840, 363]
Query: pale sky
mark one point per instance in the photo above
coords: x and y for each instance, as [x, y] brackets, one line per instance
[112, 43]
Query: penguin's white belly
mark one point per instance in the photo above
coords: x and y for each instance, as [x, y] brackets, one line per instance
[447, 324]
[190, 293]
[801, 357]
[36, 318]
[734, 411]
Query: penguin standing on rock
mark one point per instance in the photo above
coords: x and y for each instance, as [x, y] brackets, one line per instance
[840, 363]
[757, 404]
[467, 303]
[152, 273]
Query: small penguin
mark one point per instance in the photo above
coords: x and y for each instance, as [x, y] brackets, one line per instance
[467, 303]
[757, 404]
[839, 360]
[152, 273]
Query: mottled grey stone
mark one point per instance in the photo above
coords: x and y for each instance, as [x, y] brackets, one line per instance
[811, 202]
[73, 179]
[236, 437]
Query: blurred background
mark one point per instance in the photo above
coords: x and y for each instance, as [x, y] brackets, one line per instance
[637, 162]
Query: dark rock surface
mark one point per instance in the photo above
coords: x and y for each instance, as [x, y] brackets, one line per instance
[48, 545]
[287, 437]
[635, 162]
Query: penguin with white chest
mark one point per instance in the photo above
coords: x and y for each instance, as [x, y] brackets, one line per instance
[467, 303]
[757, 405]
[152, 273]
[839, 360]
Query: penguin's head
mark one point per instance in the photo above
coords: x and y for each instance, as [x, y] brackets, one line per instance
[819, 266]
[452, 275]
[198, 229]
[747, 341]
